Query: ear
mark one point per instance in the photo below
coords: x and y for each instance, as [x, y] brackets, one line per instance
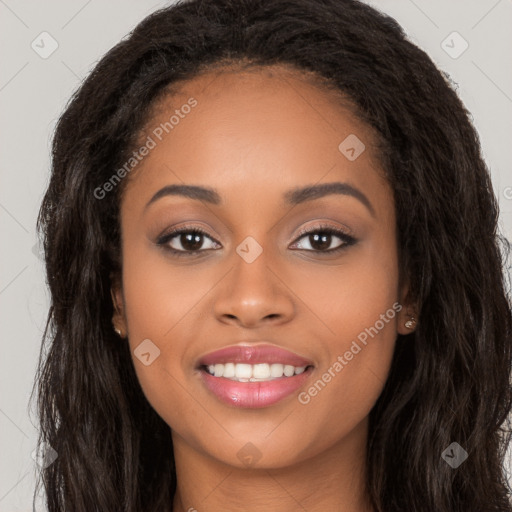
[118, 318]
[408, 316]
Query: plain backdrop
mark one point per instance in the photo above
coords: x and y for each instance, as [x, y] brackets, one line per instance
[35, 87]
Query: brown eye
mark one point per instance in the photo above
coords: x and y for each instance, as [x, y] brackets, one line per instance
[185, 241]
[191, 241]
[321, 238]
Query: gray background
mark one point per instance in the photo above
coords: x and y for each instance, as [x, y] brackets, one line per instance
[34, 91]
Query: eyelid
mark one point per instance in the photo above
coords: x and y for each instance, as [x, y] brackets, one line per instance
[176, 231]
[184, 227]
[321, 225]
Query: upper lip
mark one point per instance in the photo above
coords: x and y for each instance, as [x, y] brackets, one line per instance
[253, 354]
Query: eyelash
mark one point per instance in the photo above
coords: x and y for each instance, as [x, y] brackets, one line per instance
[323, 229]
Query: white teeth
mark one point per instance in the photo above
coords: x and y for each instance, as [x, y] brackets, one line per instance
[242, 371]
[289, 370]
[219, 370]
[229, 370]
[261, 371]
[258, 372]
[276, 370]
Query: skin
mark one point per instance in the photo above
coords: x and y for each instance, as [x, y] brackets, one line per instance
[253, 136]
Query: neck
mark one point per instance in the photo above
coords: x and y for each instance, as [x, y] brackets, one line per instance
[331, 480]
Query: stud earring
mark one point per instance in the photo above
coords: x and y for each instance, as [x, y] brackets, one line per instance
[118, 332]
[410, 323]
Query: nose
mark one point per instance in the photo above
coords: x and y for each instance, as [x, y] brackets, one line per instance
[254, 294]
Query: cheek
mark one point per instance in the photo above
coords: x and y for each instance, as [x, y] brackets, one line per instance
[357, 324]
[158, 293]
[351, 312]
[158, 300]
[345, 297]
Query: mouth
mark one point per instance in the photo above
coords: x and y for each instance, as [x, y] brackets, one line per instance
[253, 376]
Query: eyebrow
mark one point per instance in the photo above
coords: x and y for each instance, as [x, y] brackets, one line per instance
[292, 197]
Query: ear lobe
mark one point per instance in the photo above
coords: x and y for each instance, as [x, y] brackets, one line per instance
[407, 321]
[408, 316]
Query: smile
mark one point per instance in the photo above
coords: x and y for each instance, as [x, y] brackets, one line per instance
[253, 376]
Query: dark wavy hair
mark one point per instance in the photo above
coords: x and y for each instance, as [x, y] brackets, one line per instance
[449, 380]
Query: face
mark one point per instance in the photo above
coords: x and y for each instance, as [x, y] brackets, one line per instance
[285, 276]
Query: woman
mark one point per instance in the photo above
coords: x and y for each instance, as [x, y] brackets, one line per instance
[275, 273]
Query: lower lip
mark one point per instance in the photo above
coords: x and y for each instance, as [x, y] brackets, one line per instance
[254, 395]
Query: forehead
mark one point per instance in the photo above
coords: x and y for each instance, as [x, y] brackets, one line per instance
[251, 128]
